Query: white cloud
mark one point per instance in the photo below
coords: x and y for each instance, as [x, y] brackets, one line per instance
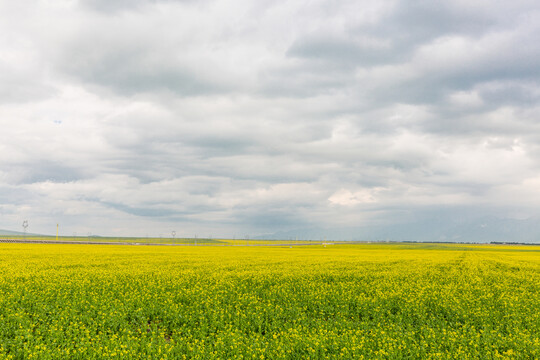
[348, 198]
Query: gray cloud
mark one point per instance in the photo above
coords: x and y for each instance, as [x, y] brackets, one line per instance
[140, 117]
[419, 52]
[128, 67]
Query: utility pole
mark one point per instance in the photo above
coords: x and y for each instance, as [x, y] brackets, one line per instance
[24, 225]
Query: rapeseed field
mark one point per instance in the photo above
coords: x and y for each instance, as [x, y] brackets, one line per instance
[373, 301]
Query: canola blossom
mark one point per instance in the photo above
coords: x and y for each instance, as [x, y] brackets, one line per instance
[372, 301]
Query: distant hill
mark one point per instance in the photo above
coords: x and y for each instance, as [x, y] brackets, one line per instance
[13, 233]
[7, 232]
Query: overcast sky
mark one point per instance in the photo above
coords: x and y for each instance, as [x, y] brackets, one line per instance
[139, 117]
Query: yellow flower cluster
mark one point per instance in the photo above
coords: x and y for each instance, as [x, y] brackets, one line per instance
[372, 301]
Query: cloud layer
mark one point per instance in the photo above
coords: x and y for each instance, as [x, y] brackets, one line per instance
[243, 118]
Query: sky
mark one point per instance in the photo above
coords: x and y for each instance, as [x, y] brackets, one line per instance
[240, 118]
